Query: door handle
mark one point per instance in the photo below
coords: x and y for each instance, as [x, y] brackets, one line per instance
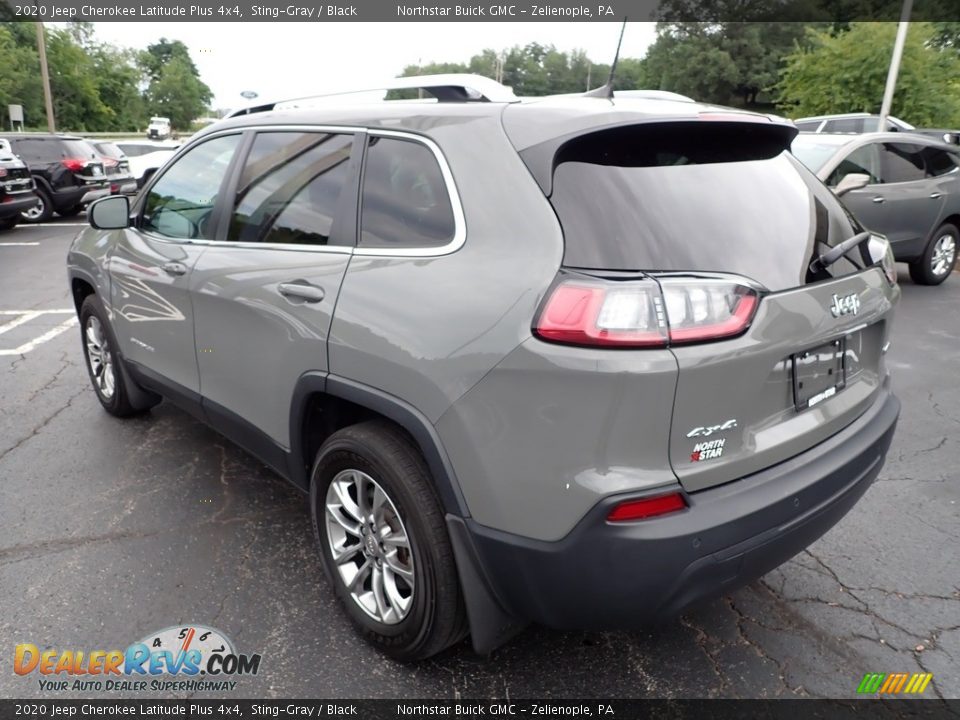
[879, 199]
[936, 195]
[174, 268]
[302, 290]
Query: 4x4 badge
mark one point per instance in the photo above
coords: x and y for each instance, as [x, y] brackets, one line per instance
[845, 305]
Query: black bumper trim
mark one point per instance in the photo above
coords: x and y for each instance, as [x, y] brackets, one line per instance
[626, 575]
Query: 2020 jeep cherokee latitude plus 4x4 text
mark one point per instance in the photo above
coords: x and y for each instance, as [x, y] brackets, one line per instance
[573, 361]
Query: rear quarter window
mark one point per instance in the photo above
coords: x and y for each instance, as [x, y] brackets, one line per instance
[405, 202]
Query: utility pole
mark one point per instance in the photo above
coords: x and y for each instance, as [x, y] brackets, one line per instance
[45, 73]
[895, 64]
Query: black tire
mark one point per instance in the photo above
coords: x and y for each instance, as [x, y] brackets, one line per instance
[924, 270]
[44, 209]
[70, 211]
[118, 401]
[9, 223]
[436, 617]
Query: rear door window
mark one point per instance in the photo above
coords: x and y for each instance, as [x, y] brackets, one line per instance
[694, 197]
[901, 162]
[845, 125]
[291, 188]
[938, 162]
[405, 202]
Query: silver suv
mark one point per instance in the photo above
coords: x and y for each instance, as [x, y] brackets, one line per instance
[573, 361]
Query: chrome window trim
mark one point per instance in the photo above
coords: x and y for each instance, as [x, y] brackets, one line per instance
[460, 229]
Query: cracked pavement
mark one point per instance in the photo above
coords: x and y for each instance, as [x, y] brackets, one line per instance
[112, 529]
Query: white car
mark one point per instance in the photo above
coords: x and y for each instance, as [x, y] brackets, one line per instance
[146, 157]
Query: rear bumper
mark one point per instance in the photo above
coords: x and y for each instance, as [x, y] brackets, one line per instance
[604, 575]
[15, 204]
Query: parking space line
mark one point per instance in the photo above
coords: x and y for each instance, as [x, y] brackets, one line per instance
[18, 244]
[49, 335]
[30, 225]
[26, 317]
[54, 311]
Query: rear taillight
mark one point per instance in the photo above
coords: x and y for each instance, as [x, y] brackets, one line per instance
[645, 313]
[647, 507]
[74, 164]
[109, 162]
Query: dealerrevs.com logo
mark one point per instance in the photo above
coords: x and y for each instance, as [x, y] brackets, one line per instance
[189, 658]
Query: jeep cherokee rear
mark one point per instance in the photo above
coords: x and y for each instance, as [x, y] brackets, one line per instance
[571, 361]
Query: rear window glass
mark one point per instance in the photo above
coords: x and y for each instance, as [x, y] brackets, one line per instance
[78, 149]
[699, 199]
[110, 150]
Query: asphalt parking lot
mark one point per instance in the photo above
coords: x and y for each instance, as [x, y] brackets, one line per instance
[110, 530]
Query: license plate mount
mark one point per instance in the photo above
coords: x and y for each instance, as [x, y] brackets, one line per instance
[818, 373]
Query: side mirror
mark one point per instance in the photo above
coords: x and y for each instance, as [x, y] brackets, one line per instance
[110, 213]
[853, 181]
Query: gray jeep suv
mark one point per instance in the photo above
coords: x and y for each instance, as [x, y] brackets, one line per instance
[573, 361]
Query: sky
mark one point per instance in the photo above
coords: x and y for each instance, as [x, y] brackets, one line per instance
[289, 59]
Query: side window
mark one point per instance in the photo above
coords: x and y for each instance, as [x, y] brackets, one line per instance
[290, 188]
[844, 125]
[37, 151]
[405, 202]
[937, 162]
[901, 162]
[180, 203]
[808, 125]
[864, 160]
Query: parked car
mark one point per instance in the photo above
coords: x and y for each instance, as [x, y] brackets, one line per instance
[67, 171]
[146, 158]
[16, 187]
[909, 191]
[573, 361]
[865, 123]
[117, 166]
[158, 128]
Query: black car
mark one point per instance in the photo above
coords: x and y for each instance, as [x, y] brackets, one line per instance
[16, 188]
[67, 170]
[117, 167]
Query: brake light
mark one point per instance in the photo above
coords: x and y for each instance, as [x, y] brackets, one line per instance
[646, 313]
[647, 507]
[109, 162]
[74, 164]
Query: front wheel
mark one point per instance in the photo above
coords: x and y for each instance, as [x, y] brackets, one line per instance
[938, 259]
[384, 543]
[103, 362]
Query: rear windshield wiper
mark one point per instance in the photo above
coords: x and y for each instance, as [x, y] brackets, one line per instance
[838, 251]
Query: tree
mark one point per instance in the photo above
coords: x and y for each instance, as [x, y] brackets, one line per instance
[847, 73]
[178, 94]
[719, 62]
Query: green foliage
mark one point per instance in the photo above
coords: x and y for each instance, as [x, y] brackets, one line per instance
[847, 73]
[724, 62]
[535, 70]
[97, 87]
[178, 93]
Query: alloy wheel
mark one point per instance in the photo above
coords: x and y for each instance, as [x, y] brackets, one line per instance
[370, 546]
[36, 212]
[100, 358]
[944, 254]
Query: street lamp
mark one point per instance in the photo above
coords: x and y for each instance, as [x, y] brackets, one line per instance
[45, 74]
[895, 64]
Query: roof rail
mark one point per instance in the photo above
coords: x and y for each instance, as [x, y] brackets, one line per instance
[452, 87]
